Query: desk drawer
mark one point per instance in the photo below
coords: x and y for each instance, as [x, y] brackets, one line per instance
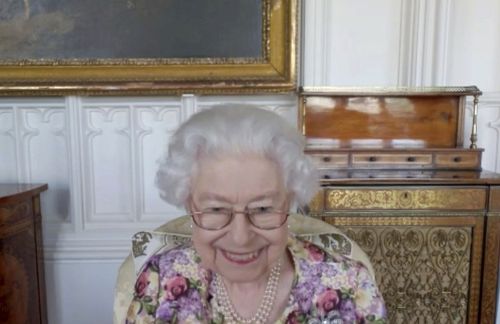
[368, 160]
[422, 159]
[15, 216]
[332, 199]
[459, 160]
[331, 160]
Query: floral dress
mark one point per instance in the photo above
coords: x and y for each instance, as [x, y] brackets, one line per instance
[174, 288]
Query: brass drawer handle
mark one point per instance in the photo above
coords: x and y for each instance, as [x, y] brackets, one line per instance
[457, 159]
[372, 159]
[411, 159]
[327, 159]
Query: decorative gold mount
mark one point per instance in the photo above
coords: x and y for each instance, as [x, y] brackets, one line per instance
[473, 135]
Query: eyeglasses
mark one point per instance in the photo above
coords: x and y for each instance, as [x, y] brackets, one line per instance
[216, 218]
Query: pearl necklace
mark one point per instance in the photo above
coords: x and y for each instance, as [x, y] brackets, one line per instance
[265, 307]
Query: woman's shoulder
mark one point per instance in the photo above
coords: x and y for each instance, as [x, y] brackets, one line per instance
[308, 252]
[332, 286]
[321, 269]
[171, 287]
[181, 260]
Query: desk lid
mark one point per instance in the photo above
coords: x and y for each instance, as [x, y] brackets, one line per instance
[15, 191]
[384, 117]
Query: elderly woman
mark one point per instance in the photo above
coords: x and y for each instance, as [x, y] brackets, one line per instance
[238, 171]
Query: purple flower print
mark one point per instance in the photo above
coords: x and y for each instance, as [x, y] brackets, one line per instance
[310, 271]
[169, 258]
[165, 312]
[302, 294]
[348, 311]
[191, 304]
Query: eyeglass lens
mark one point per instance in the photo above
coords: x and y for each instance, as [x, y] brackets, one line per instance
[217, 219]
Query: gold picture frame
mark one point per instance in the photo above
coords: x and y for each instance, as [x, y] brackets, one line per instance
[274, 70]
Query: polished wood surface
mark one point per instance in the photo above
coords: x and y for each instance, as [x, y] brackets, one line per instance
[383, 121]
[22, 279]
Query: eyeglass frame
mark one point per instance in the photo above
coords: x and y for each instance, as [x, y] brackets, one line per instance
[233, 212]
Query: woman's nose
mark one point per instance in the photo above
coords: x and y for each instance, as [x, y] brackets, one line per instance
[241, 229]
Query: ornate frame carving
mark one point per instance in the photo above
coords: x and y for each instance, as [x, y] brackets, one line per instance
[275, 71]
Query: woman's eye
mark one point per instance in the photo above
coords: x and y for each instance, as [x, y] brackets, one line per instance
[261, 210]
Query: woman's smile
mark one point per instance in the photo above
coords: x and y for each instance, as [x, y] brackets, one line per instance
[241, 258]
[238, 171]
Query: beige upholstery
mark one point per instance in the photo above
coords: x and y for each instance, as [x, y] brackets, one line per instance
[167, 235]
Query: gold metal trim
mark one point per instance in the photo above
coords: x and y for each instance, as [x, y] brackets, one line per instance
[405, 198]
[390, 91]
[490, 271]
[317, 204]
[494, 201]
[302, 115]
[461, 121]
[475, 272]
[473, 135]
[401, 221]
[276, 72]
[398, 213]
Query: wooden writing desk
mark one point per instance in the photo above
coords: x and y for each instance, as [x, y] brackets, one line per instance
[22, 281]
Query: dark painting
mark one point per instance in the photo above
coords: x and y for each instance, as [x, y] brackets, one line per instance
[100, 29]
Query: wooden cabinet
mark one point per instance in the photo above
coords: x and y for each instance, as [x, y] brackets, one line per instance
[398, 180]
[434, 243]
[22, 283]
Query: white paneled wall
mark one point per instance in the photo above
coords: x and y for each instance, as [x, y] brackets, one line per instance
[351, 42]
[99, 154]
[99, 157]
[474, 44]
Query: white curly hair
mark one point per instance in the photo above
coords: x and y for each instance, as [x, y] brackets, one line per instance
[235, 129]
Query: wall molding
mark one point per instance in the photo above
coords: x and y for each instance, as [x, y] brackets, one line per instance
[491, 100]
[78, 237]
[85, 128]
[423, 45]
[317, 36]
[110, 240]
[9, 133]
